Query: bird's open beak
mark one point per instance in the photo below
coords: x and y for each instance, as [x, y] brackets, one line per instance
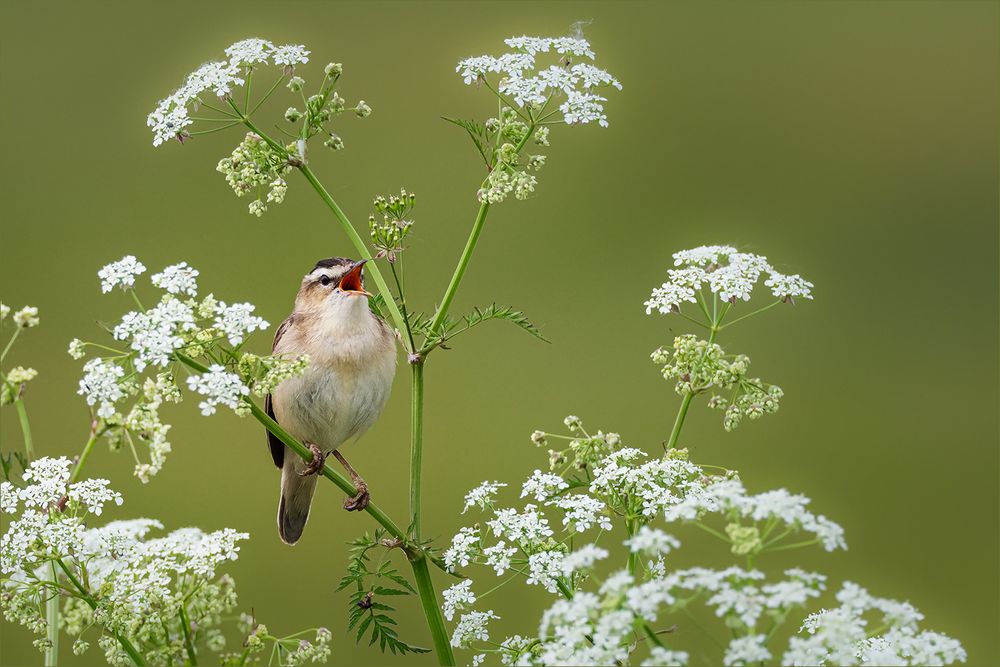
[352, 280]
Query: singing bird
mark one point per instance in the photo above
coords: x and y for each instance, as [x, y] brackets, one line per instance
[352, 362]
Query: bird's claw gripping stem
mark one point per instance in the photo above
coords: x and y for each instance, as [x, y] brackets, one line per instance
[358, 501]
[317, 463]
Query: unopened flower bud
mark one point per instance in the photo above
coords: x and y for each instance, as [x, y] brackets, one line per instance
[295, 84]
[292, 114]
[333, 70]
[334, 142]
[363, 110]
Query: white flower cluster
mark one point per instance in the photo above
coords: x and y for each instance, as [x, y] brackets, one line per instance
[121, 273]
[528, 84]
[177, 279]
[219, 386]
[178, 323]
[599, 615]
[726, 272]
[138, 585]
[841, 636]
[730, 499]
[25, 318]
[170, 116]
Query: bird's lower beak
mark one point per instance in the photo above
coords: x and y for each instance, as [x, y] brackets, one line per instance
[353, 280]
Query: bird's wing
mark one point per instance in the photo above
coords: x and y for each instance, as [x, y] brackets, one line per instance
[277, 446]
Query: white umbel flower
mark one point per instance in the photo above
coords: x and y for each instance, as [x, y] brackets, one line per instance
[177, 279]
[219, 387]
[121, 273]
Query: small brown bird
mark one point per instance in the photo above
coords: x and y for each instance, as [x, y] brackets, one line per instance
[352, 362]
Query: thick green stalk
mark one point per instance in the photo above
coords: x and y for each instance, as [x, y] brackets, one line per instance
[428, 600]
[52, 625]
[463, 264]
[675, 433]
[416, 445]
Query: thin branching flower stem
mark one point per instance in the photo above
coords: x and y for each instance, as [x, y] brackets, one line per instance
[89, 599]
[675, 433]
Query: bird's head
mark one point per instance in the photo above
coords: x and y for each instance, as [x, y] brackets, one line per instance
[335, 286]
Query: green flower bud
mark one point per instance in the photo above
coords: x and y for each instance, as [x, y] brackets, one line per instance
[746, 539]
[334, 142]
[333, 70]
[292, 114]
[295, 84]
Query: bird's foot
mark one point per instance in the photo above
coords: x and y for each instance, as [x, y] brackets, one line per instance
[359, 501]
[317, 463]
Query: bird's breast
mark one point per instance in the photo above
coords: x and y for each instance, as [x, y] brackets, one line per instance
[341, 393]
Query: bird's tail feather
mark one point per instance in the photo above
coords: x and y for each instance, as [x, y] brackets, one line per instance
[296, 498]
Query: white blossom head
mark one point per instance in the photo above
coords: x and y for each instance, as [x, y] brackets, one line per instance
[727, 273]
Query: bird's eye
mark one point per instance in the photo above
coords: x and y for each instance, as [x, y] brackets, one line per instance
[325, 280]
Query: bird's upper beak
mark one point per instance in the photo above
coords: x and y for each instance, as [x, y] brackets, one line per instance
[352, 280]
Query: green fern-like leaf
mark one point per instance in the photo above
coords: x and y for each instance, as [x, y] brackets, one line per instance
[366, 614]
[477, 132]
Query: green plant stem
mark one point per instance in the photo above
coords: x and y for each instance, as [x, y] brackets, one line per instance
[463, 264]
[675, 433]
[751, 314]
[428, 600]
[186, 630]
[78, 468]
[22, 416]
[10, 343]
[470, 247]
[88, 598]
[416, 445]
[52, 625]
[633, 556]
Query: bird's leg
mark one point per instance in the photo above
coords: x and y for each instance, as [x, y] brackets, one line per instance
[314, 466]
[359, 501]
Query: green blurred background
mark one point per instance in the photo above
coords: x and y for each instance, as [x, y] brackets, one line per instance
[855, 143]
